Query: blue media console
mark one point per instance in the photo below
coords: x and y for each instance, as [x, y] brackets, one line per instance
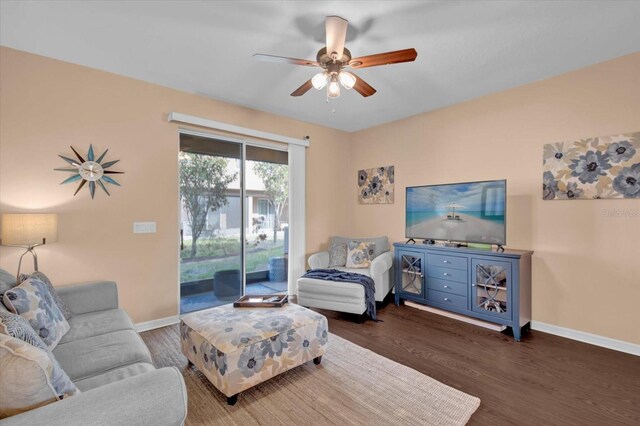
[485, 284]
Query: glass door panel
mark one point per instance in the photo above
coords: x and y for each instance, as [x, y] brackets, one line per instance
[491, 287]
[211, 222]
[412, 273]
[267, 222]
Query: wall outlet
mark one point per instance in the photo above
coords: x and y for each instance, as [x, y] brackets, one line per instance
[144, 227]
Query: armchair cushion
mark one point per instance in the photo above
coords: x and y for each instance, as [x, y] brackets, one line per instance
[360, 254]
[382, 243]
[337, 254]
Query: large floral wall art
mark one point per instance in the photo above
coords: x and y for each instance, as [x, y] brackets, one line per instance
[375, 186]
[593, 168]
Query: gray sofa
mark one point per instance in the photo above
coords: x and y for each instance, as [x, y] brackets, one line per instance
[110, 364]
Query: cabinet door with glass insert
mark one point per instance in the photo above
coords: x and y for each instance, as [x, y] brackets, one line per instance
[411, 273]
[491, 287]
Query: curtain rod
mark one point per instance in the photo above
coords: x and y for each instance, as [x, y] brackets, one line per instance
[217, 125]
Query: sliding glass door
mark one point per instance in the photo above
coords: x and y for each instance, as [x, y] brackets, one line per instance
[234, 208]
[267, 202]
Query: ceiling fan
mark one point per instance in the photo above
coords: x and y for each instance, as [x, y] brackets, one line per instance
[334, 58]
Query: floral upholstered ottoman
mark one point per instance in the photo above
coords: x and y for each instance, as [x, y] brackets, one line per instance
[237, 348]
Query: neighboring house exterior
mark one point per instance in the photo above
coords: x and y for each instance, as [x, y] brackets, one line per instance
[227, 219]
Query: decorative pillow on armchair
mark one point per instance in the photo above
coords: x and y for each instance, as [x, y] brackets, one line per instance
[359, 254]
[31, 377]
[337, 255]
[33, 301]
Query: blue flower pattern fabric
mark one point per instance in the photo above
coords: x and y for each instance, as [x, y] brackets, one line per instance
[33, 301]
[592, 168]
[237, 348]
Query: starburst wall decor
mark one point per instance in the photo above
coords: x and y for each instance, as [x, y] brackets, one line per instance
[92, 170]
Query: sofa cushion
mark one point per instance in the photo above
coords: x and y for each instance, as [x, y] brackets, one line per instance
[382, 243]
[32, 300]
[30, 377]
[330, 290]
[360, 254]
[114, 375]
[42, 277]
[98, 354]
[15, 326]
[96, 323]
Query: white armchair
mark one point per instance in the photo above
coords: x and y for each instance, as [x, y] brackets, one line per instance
[379, 270]
[347, 297]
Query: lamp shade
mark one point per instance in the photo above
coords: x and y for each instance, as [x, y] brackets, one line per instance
[24, 229]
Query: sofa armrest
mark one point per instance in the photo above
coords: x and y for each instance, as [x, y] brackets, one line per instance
[89, 297]
[155, 398]
[319, 260]
[381, 264]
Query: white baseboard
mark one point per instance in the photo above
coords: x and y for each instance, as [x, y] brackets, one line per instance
[593, 339]
[158, 323]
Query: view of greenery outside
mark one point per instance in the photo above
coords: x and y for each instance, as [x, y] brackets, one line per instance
[204, 181]
[202, 268]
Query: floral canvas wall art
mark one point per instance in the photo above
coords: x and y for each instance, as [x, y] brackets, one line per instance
[375, 186]
[592, 168]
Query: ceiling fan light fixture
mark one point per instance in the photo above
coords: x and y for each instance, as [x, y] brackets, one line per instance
[333, 90]
[347, 79]
[320, 80]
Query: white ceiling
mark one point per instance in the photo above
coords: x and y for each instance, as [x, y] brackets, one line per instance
[466, 49]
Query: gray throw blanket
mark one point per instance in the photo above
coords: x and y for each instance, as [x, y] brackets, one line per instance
[349, 277]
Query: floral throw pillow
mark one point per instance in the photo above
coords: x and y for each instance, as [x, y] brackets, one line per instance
[337, 255]
[359, 254]
[42, 277]
[32, 375]
[33, 301]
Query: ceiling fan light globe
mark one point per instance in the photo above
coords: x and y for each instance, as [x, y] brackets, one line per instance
[320, 80]
[333, 90]
[347, 79]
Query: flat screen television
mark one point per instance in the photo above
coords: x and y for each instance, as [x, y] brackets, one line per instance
[472, 212]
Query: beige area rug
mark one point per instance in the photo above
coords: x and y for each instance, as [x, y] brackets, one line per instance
[352, 386]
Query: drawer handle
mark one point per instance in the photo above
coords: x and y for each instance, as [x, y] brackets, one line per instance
[445, 261]
[446, 286]
[446, 274]
[446, 299]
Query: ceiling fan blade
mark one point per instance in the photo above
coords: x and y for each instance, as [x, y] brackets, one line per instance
[285, 60]
[302, 89]
[363, 87]
[395, 57]
[336, 33]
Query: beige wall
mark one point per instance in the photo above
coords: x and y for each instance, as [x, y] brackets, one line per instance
[47, 105]
[586, 268]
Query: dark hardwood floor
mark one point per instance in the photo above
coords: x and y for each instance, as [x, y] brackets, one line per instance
[542, 380]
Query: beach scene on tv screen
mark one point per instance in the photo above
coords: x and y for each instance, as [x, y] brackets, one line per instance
[473, 212]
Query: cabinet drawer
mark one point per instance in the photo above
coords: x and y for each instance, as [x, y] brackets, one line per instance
[447, 261]
[452, 287]
[447, 274]
[447, 299]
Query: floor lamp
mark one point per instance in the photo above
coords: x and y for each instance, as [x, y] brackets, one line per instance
[28, 230]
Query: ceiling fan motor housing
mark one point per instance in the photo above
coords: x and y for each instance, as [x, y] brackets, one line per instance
[333, 66]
